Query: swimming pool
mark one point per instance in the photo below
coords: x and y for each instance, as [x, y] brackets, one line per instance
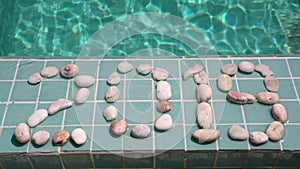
[62, 28]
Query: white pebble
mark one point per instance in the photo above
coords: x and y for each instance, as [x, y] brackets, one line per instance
[84, 80]
[267, 97]
[69, 70]
[206, 135]
[204, 115]
[22, 133]
[78, 135]
[40, 137]
[50, 71]
[224, 82]
[236, 132]
[190, 72]
[140, 131]
[264, 70]
[110, 113]
[275, 131]
[114, 79]
[204, 93]
[144, 69]
[164, 122]
[35, 78]
[119, 127]
[271, 83]
[59, 105]
[37, 117]
[164, 91]
[125, 67]
[229, 69]
[258, 137]
[201, 78]
[279, 112]
[82, 95]
[112, 94]
[246, 67]
[164, 106]
[160, 74]
[240, 97]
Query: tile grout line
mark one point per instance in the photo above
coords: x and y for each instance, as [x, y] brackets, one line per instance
[124, 114]
[153, 118]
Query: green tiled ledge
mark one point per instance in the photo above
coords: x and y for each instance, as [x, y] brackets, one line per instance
[171, 149]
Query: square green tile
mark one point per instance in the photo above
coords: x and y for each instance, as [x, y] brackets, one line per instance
[80, 114]
[26, 68]
[108, 160]
[290, 138]
[293, 109]
[87, 67]
[110, 143]
[278, 67]
[107, 67]
[72, 146]
[77, 160]
[9, 143]
[137, 144]
[193, 144]
[138, 160]
[100, 119]
[53, 90]
[139, 90]
[189, 89]
[18, 113]
[24, 92]
[40, 161]
[139, 112]
[176, 112]
[262, 158]
[186, 64]
[294, 66]
[217, 93]
[270, 145]
[5, 89]
[200, 159]
[59, 64]
[103, 86]
[133, 74]
[286, 89]
[215, 66]
[252, 86]
[231, 158]
[258, 113]
[170, 65]
[174, 137]
[55, 119]
[289, 159]
[170, 159]
[9, 67]
[175, 87]
[15, 161]
[227, 112]
[74, 89]
[241, 74]
[190, 112]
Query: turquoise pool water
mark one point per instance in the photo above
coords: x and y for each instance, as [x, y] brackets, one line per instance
[62, 27]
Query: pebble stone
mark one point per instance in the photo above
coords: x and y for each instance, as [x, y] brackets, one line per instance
[160, 74]
[144, 69]
[163, 91]
[279, 112]
[82, 95]
[35, 78]
[206, 135]
[258, 137]
[22, 133]
[271, 83]
[125, 67]
[114, 79]
[229, 69]
[201, 78]
[236, 132]
[264, 70]
[204, 115]
[164, 106]
[224, 82]
[40, 137]
[140, 131]
[37, 117]
[275, 131]
[69, 70]
[61, 137]
[50, 71]
[240, 97]
[204, 92]
[78, 135]
[112, 94]
[110, 113]
[267, 97]
[84, 81]
[246, 67]
[119, 127]
[164, 122]
[190, 72]
[59, 105]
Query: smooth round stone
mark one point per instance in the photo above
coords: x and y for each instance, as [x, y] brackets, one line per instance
[22, 133]
[114, 79]
[206, 135]
[240, 97]
[236, 132]
[160, 74]
[279, 112]
[140, 131]
[271, 83]
[35, 78]
[125, 67]
[82, 95]
[144, 69]
[201, 78]
[40, 137]
[119, 127]
[224, 82]
[190, 72]
[112, 94]
[69, 70]
[229, 69]
[84, 81]
[204, 115]
[246, 67]
[164, 122]
[59, 105]
[50, 71]
[163, 91]
[110, 113]
[78, 135]
[267, 97]
[264, 70]
[37, 117]
[61, 137]
[275, 131]
[164, 106]
[204, 92]
[258, 137]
